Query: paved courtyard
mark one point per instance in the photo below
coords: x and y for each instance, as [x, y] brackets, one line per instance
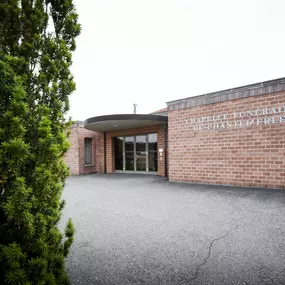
[136, 229]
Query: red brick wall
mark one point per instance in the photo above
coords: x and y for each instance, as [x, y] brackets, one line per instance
[244, 156]
[72, 155]
[153, 129]
[99, 153]
[75, 156]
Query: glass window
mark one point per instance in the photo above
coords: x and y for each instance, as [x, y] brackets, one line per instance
[87, 151]
[141, 143]
[130, 161]
[119, 149]
[152, 142]
[136, 153]
[129, 143]
[129, 153]
[152, 161]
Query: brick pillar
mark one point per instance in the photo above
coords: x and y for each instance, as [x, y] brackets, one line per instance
[74, 157]
[109, 154]
[160, 156]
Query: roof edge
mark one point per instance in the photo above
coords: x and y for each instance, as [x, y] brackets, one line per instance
[160, 111]
[125, 117]
[262, 88]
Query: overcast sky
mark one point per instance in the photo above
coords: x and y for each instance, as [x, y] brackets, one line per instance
[149, 52]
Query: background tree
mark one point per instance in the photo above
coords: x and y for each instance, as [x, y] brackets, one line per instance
[36, 41]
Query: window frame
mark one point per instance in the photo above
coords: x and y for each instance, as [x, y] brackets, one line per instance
[89, 161]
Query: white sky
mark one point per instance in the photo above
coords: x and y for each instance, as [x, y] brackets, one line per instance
[153, 51]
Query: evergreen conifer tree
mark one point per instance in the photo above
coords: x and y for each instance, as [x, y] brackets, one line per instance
[37, 38]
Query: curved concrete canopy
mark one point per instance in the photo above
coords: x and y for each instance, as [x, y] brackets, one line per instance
[123, 122]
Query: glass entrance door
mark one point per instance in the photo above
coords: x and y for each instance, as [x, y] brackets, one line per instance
[129, 153]
[136, 153]
[141, 154]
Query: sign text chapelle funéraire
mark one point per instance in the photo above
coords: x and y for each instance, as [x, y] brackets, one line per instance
[239, 119]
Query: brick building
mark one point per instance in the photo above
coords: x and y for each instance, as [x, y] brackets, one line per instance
[233, 137]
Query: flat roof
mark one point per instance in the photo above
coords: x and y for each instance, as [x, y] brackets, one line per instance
[123, 122]
[261, 88]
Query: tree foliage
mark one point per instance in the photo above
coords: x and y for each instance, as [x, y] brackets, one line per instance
[37, 38]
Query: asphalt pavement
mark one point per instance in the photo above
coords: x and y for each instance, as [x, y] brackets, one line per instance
[142, 229]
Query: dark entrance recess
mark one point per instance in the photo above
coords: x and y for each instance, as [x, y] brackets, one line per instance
[136, 153]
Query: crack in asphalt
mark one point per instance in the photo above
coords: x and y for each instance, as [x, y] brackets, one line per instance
[199, 266]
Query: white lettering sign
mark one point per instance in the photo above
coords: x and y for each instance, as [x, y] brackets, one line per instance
[240, 119]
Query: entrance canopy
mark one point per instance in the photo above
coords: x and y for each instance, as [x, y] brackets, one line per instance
[123, 122]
